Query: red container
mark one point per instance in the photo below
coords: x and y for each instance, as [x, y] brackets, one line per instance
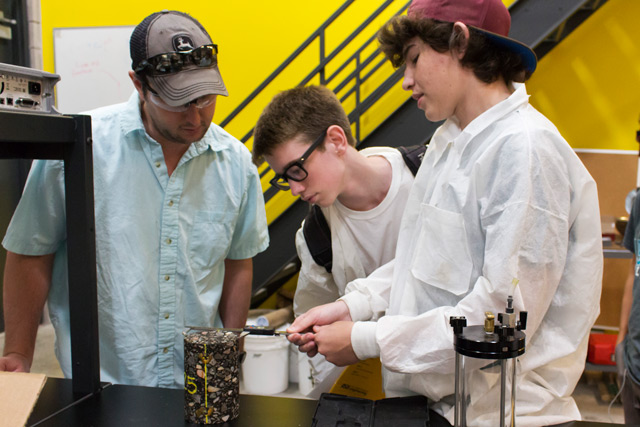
[602, 349]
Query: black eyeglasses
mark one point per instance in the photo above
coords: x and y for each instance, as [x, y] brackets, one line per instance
[172, 62]
[295, 171]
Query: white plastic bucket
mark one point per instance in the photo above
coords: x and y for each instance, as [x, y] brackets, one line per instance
[265, 369]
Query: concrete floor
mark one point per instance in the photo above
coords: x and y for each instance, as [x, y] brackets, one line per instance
[593, 393]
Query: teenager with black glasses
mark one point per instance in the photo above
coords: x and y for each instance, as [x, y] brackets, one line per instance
[357, 197]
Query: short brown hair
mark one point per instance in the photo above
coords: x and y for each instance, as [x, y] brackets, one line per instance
[306, 110]
[488, 61]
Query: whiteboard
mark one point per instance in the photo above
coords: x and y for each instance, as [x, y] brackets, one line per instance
[93, 64]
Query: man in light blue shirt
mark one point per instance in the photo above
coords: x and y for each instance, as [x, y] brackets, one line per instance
[179, 215]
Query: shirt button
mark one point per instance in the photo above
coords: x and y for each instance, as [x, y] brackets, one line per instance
[165, 350]
[168, 241]
[167, 278]
[166, 316]
[170, 202]
[158, 164]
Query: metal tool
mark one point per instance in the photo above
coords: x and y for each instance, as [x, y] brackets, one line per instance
[247, 330]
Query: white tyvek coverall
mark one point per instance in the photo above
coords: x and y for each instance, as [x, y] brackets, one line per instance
[505, 198]
[361, 242]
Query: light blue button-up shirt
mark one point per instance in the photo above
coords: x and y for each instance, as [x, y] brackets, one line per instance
[161, 241]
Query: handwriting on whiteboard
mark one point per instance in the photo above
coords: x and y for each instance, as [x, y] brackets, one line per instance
[93, 64]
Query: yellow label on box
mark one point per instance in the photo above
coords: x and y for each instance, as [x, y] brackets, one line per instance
[364, 380]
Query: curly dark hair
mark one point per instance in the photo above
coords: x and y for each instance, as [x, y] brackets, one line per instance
[304, 110]
[488, 61]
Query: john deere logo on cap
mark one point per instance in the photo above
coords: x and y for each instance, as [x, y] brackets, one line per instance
[182, 42]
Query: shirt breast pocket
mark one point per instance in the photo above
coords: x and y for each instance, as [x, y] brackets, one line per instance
[209, 240]
[442, 258]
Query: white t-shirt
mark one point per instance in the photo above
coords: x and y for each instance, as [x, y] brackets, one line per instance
[361, 242]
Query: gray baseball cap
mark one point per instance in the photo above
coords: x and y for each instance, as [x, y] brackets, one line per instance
[168, 32]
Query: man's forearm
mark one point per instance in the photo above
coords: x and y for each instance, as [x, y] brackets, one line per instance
[26, 285]
[236, 292]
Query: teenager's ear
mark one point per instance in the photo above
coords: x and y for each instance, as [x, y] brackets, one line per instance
[337, 138]
[459, 39]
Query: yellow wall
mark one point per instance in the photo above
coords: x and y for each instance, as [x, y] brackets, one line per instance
[589, 85]
[254, 36]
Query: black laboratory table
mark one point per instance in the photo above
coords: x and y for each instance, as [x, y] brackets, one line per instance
[124, 406]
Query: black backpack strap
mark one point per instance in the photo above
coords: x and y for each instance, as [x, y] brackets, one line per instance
[318, 236]
[413, 156]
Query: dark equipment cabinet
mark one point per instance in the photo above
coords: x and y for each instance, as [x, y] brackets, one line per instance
[67, 138]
